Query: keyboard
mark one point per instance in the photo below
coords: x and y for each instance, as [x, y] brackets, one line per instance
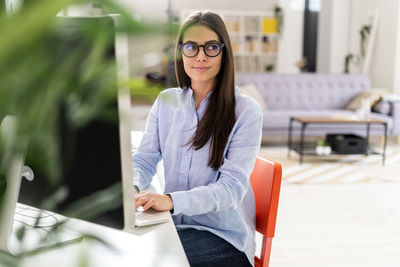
[150, 217]
[45, 232]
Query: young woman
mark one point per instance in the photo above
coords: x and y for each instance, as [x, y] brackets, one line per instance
[208, 136]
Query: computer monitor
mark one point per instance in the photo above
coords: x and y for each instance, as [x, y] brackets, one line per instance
[96, 155]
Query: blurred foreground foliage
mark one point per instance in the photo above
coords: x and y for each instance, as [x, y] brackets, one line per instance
[37, 78]
[35, 75]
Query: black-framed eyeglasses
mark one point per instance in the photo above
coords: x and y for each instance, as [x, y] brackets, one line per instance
[210, 49]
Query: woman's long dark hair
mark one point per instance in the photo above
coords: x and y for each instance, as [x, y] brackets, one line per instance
[219, 117]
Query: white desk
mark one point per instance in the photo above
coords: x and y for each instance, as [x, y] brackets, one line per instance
[157, 245]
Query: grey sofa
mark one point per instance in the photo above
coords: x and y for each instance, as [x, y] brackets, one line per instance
[286, 95]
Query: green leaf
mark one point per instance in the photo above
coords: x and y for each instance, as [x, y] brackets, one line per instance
[9, 260]
[52, 246]
[96, 203]
[320, 143]
[3, 186]
[21, 232]
[51, 202]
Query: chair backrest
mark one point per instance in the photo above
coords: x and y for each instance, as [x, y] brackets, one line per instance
[266, 183]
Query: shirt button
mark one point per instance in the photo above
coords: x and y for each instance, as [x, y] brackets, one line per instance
[182, 176]
[186, 157]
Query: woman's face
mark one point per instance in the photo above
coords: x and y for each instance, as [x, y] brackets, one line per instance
[201, 68]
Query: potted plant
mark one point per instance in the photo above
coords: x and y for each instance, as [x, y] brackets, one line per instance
[322, 148]
[33, 80]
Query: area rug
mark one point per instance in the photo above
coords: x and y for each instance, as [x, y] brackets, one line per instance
[336, 168]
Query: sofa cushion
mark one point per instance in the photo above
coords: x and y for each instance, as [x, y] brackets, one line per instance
[372, 95]
[382, 107]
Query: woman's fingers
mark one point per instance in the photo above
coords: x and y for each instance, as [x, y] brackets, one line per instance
[150, 200]
[149, 204]
[147, 200]
[140, 199]
[140, 202]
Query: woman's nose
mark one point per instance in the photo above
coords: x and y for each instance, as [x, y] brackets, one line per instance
[201, 56]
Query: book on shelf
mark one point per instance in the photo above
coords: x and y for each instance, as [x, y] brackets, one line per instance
[251, 24]
[232, 24]
[251, 44]
[269, 26]
[247, 63]
[269, 44]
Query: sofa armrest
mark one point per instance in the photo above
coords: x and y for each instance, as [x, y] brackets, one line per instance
[395, 113]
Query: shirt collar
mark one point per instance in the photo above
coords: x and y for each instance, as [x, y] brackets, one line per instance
[190, 91]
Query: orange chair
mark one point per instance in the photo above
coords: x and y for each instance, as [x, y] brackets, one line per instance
[266, 183]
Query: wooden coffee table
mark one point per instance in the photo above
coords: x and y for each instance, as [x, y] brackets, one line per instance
[306, 120]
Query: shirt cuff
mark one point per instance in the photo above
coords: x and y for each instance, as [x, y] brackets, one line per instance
[180, 201]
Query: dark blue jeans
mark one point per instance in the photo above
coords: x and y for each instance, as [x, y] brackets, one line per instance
[205, 249]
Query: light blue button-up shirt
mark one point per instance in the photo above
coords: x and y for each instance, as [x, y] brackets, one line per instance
[221, 201]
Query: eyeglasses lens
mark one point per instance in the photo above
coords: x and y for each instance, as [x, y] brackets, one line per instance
[190, 50]
[211, 50]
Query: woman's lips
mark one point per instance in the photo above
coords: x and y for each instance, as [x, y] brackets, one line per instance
[201, 69]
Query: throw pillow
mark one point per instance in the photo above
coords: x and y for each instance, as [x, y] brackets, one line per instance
[382, 107]
[374, 95]
[251, 90]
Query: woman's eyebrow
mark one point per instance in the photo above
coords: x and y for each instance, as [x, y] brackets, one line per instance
[206, 42]
[211, 42]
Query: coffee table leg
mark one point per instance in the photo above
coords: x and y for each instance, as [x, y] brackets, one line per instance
[303, 126]
[367, 139]
[290, 136]
[384, 144]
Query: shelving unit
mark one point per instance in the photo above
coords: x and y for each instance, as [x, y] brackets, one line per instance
[254, 39]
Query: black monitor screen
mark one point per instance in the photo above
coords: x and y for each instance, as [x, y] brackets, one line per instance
[89, 161]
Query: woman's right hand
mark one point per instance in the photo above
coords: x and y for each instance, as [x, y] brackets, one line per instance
[155, 201]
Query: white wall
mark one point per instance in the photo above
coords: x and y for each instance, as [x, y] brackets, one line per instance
[396, 72]
[291, 42]
[339, 35]
[383, 59]
[324, 46]
[333, 36]
[155, 10]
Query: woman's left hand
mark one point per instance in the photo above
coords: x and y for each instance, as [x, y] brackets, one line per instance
[154, 201]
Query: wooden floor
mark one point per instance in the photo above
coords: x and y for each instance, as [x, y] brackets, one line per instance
[338, 225]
